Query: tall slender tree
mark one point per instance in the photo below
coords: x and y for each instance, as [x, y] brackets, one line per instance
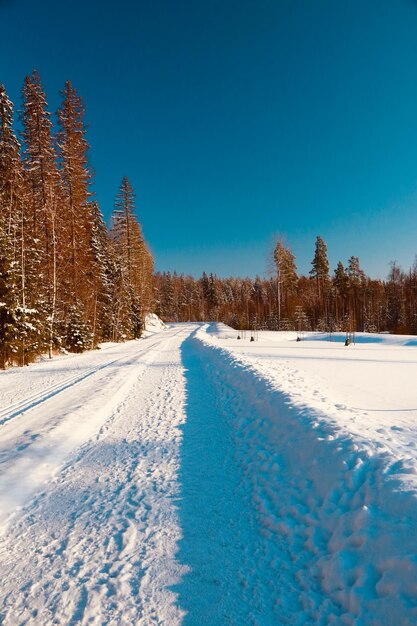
[320, 267]
[286, 273]
[104, 272]
[41, 174]
[136, 263]
[356, 281]
[77, 260]
[320, 274]
[21, 249]
[10, 167]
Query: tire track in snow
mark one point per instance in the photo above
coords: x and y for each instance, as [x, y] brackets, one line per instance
[16, 409]
[99, 545]
[33, 448]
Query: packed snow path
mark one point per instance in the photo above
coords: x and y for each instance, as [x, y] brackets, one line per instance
[173, 481]
[97, 545]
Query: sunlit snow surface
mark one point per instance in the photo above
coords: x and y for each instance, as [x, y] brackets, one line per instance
[368, 388]
[342, 486]
[195, 478]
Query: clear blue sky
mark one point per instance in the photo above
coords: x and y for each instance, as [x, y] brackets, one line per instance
[238, 119]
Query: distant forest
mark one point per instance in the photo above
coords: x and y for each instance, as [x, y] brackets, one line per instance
[344, 300]
[67, 282]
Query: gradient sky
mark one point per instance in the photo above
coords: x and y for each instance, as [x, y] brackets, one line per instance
[239, 119]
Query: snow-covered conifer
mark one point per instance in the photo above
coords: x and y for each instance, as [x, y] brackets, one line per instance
[79, 280]
[135, 289]
[42, 201]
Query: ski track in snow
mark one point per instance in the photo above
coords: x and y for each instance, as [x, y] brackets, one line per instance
[178, 481]
[97, 545]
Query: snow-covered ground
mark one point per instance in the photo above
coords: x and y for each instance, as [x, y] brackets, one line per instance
[368, 389]
[333, 435]
[95, 460]
[194, 478]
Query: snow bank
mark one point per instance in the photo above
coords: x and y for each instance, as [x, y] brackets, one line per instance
[153, 324]
[338, 511]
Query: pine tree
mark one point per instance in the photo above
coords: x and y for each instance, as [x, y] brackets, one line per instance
[356, 276]
[356, 279]
[63, 280]
[286, 270]
[341, 289]
[341, 281]
[320, 267]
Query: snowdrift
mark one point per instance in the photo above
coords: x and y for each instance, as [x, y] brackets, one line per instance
[153, 324]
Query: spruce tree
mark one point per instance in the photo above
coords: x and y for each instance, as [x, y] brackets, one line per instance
[104, 272]
[16, 231]
[9, 302]
[10, 168]
[136, 263]
[79, 278]
[41, 175]
[167, 296]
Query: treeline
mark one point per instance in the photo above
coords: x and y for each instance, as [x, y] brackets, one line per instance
[343, 300]
[66, 282]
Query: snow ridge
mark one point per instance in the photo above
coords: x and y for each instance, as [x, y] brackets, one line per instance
[336, 518]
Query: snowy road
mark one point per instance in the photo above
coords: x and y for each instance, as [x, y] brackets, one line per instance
[97, 545]
[171, 481]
